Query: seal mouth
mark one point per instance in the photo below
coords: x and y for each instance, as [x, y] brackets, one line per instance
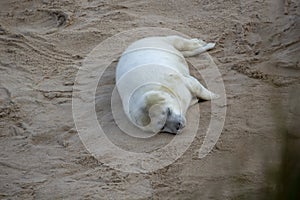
[162, 129]
[169, 132]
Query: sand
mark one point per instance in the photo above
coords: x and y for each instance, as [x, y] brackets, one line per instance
[44, 43]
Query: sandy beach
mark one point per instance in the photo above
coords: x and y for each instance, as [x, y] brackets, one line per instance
[43, 45]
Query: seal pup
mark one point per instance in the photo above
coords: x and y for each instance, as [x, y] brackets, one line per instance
[155, 85]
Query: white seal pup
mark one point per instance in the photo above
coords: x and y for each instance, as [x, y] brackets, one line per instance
[155, 85]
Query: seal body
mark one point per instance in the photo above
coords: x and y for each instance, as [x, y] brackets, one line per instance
[155, 85]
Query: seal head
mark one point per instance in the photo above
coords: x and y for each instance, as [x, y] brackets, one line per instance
[157, 111]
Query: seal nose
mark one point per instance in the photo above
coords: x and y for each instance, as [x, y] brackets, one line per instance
[179, 125]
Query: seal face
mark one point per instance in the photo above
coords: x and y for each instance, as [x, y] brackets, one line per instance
[154, 83]
[174, 122]
[154, 106]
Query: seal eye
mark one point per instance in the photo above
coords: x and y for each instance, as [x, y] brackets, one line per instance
[169, 112]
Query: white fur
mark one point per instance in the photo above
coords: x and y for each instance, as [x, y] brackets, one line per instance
[154, 82]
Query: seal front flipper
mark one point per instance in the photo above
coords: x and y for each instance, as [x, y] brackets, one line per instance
[198, 90]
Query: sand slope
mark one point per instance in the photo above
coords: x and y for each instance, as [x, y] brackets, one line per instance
[43, 44]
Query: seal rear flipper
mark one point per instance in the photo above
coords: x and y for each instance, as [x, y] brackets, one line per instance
[189, 47]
